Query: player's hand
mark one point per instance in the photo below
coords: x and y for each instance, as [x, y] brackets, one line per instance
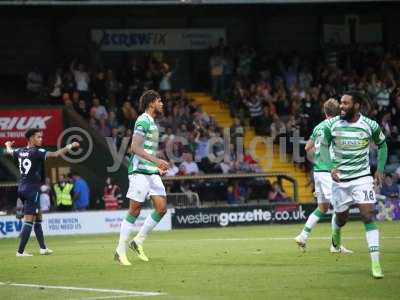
[379, 177]
[162, 164]
[162, 172]
[335, 175]
[9, 144]
[75, 145]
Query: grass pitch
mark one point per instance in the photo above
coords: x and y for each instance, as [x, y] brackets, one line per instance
[258, 262]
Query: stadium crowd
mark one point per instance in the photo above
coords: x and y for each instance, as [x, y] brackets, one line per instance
[281, 93]
[277, 94]
[109, 100]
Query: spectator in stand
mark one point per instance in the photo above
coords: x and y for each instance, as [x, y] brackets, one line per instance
[69, 84]
[173, 169]
[201, 140]
[390, 189]
[256, 112]
[112, 120]
[237, 131]
[104, 127]
[56, 85]
[62, 190]
[82, 79]
[165, 83]
[34, 82]
[100, 87]
[112, 84]
[44, 198]
[81, 192]
[266, 121]
[277, 194]
[128, 115]
[75, 100]
[278, 128]
[395, 113]
[93, 122]
[116, 138]
[216, 71]
[100, 111]
[111, 195]
[82, 109]
[305, 79]
[66, 99]
[189, 167]
[249, 160]
[245, 64]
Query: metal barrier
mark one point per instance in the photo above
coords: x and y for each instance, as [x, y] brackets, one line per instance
[183, 200]
[221, 177]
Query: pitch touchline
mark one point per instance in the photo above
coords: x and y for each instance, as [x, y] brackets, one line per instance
[269, 239]
[251, 239]
[72, 288]
[109, 297]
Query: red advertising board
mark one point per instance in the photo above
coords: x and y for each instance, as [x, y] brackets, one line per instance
[14, 123]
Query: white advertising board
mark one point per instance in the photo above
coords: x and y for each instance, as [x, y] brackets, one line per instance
[92, 222]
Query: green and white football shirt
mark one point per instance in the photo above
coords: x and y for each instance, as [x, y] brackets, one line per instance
[146, 127]
[317, 136]
[350, 145]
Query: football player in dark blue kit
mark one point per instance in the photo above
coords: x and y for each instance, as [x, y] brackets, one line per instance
[31, 165]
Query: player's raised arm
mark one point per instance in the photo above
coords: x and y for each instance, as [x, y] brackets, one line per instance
[63, 151]
[138, 149]
[9, 150]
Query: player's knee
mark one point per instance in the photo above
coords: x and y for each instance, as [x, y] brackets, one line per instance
[134, 211]
[341, 219]
[323, 208]
[162, 210]
[367, 217]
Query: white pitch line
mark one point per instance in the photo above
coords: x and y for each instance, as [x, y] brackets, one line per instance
[252, 239]
[109, 297]
[72, 288]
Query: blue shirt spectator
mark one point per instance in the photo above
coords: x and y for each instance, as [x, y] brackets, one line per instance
[81, 193]
[390, 189]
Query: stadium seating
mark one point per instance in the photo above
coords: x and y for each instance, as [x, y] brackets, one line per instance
[223, 118]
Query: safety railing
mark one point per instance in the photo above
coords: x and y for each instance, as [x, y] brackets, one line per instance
[218, 178]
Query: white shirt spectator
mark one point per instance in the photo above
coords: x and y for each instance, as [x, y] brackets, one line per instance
[383, 98]
[81, 80]
[44, 199]
[101, 112]
[172, 171]
[190, 167]
[56, 92]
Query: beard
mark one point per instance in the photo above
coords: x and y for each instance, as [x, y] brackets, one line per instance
[348, 115]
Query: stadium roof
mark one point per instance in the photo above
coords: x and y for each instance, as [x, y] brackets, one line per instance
[167, 2]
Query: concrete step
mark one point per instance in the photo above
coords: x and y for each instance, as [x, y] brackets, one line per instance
[273, 163]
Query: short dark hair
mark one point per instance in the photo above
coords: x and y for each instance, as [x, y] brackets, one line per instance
[31, 132]
[356, 97]
[147, 98]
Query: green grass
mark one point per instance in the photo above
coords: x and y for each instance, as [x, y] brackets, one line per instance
[230, 263]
